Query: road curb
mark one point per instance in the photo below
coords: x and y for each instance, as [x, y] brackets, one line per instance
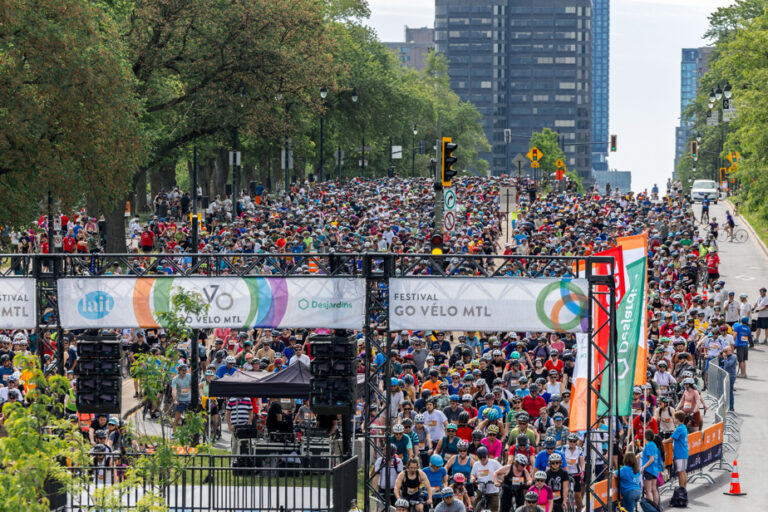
[751, 230]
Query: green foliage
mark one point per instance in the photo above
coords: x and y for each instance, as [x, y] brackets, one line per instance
[546, 141]
[38, 444]
[574, 177]
[68, 113]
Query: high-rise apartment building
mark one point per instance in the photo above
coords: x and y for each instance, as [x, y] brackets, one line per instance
[412, 53]
[694, 64]
[526, 65]
[601, 31]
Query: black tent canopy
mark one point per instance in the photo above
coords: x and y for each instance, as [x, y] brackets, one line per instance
[291, 382]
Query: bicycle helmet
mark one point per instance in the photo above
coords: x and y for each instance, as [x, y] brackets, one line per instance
[493, 415]
[462, 445]
[459, 478]
[482, 451]
[555, 457]
[522, 416]
[450, 426]
[394, 381]
[463, 417]
[476, 434]
[573, 437]
[401, 503]
[447, 492]
[398, 429]
[689, 380]
[540, 475]
[408, 379]
[436, 460]
[532, 497]
[210, 373]
[522, 440]
[549, 442]
[221, 354]
[454, 398]
[493, 429]
[407, 422]
[183, 366]
[466, 397]
[521, 459]
[99, 448]
[515, 355]
[101, 433]
[419, 418]
[230, 360]
[425, 394]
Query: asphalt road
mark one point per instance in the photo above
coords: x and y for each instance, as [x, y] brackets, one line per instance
[744, 269]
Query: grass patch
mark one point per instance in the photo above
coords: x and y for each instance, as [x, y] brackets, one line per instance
[759, 224]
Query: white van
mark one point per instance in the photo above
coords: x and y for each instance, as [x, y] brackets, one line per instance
[704, 188]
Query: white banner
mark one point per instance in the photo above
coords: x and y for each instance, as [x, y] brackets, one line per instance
[18, 306]
[488, 304]
[240, 302]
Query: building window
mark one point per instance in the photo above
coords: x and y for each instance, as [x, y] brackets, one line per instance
[567, 85]
[540, 97]
[565, 60]
[564, 123]
[485, 85]
[544, 60]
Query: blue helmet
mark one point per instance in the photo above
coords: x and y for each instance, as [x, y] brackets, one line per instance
[493, 415]
[745, 320]
[436, 460]
[394, 381]
[455, 398]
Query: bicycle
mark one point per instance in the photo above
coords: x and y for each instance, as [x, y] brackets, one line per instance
[739, 236]
[482, 503]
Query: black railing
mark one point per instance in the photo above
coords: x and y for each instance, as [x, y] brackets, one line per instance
[278, 483]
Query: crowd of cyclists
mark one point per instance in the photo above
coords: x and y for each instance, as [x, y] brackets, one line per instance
[480, 419]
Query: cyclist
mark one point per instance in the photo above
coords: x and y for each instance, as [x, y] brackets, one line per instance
[514, 479]
[210, 405]
[531, 500]
[482, 474]
[542, 490]
[704, 209]
[461, 464]
[401, 505]
[409, 485]
[574, 461]
[425, 442]
[460, 491]
[558, 480]
[448, 445]
[449, 503]
[729, 224]
[437, 476]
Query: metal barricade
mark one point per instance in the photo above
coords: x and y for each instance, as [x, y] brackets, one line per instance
[718, 397]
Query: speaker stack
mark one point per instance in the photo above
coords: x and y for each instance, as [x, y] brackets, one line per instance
[333, 383]
[99, 379]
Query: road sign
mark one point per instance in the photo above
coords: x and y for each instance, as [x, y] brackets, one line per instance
[559, 163]
[519, 159]
[283, 163]
[449, 221]
[733, 168]
[534, 155]
[535, 165]
[712, 118]
[449, 200]
[397, 152]
[733, 157]
[507, 199]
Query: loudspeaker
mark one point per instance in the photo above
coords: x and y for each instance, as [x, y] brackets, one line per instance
[333, 383]
[99, 377]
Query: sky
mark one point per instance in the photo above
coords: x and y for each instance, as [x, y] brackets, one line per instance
[646, 41]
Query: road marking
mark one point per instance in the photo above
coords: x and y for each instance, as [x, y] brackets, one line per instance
[744, 278]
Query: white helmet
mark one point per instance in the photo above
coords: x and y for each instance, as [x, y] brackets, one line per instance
[20, 336]
[230, 360]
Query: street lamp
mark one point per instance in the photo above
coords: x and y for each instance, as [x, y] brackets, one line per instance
[413, 151]
[323, 92]
[698, 138]
[718, 93]
[727, 91]
[355, 96]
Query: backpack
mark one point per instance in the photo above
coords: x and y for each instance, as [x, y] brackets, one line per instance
[679, 498]
[647, 505]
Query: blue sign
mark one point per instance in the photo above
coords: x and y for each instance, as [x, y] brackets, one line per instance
[95, 305]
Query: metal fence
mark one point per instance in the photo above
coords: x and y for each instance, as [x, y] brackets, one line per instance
[229, 483]
[718, 397]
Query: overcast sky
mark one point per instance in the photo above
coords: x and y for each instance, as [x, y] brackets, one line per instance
[646, 39]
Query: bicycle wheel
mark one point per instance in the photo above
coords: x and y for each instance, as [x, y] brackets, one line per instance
[722, 236]
[740, 236]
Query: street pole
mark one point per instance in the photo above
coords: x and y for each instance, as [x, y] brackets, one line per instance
[285, 165]
[389, 171]
[195, 241]
[519, 169]
[413, 156]
[363, 160]
[439, 198]
[322, 155]
[195, 349]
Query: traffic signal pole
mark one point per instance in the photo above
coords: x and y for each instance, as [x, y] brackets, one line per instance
[438, 183]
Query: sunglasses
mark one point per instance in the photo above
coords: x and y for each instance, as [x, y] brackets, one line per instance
[555, 463]
[540, 480]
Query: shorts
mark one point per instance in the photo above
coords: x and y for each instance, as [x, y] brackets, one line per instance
[182, 407]
[742, 354]
[762, 322]
[649, 477]
[713, 275]
[146, 248]
[681, 465]
[577, 483]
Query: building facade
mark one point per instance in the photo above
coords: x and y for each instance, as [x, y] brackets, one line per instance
[693, 65]
[601, 32]
[526, 65]
[412, 53]
[620, 179]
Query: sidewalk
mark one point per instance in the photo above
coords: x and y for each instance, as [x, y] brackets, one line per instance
[129, 403]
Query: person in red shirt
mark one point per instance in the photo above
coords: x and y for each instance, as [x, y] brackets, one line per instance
[68, 243]
[554, 362]
[533, 403]
[640, 426]
[668, 327]
[713, 264]
[147, 239]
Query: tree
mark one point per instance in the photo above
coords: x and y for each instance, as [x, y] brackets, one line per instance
[547, 143]
[68, 115]
[39, 443]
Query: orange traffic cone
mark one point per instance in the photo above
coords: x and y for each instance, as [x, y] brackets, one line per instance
[735, 485]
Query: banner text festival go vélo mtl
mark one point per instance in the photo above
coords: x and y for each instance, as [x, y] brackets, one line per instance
[238, 302]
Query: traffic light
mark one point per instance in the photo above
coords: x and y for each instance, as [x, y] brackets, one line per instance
[694, 149]
[613, 143]
[436, 241]
[448, 160]
[534, 155]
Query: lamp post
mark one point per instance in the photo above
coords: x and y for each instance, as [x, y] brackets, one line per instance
[235, 161]
[413, 150]
[323, 95]
[715, 95]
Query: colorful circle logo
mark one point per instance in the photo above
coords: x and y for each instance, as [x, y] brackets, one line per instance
[571, 302]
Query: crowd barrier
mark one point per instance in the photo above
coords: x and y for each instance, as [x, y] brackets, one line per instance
[704, 448]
